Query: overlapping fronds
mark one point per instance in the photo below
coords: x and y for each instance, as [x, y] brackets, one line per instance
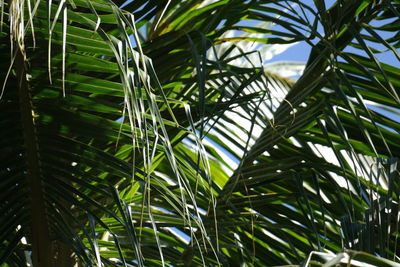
[158, 133]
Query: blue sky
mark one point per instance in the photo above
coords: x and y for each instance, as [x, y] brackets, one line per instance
[301, 51]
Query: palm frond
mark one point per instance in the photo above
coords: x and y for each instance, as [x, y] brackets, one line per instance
[158, 133]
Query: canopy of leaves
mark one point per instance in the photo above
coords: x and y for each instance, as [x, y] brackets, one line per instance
[154, 133]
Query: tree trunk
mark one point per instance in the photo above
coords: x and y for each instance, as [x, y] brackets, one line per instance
[41, 245]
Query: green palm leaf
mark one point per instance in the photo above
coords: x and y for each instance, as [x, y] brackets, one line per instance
[157, 133]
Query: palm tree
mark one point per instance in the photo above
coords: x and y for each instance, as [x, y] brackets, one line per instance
[153, 133]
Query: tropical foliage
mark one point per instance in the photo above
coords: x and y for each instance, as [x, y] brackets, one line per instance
[158, 133]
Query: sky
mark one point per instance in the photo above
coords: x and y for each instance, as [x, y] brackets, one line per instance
[301, 51]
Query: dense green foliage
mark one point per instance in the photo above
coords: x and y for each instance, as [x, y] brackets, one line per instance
[156, 132]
